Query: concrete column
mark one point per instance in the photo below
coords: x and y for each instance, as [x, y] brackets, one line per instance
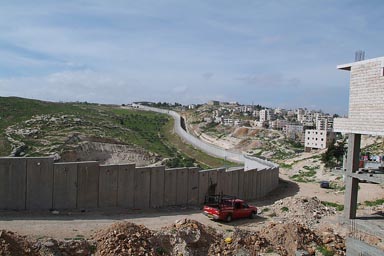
[352, 184]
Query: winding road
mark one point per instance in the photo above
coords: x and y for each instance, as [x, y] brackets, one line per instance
[237, 157]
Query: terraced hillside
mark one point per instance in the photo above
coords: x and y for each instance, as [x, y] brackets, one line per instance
[84, 131]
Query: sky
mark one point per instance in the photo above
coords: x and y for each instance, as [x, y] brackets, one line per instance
[273, 53]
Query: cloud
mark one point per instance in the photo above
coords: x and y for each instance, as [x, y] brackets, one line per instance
[207, 75]
[270, 80]
[271, 39]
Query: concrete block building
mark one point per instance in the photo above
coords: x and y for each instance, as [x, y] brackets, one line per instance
[365, 116]
[318, 139]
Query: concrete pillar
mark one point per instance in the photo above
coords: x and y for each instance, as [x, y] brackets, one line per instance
[352, 184]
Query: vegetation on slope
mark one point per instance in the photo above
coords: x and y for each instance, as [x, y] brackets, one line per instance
[56, 122]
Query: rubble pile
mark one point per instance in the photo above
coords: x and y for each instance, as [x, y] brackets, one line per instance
[304, 210]
[124, 238]
[241, 243]
[64, 248]
[13, 244]
[187, 237]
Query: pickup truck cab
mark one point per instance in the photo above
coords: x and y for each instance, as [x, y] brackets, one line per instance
[227, 208]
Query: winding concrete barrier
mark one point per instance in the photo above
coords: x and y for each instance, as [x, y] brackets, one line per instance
[249, 162]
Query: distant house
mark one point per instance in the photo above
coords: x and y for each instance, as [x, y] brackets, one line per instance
[318, 139]
[294, 132]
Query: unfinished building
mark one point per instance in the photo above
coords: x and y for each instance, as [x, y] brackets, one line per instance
[365, 116]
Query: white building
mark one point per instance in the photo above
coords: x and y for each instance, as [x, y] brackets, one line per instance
[278, 124]
[318, 139]
[265, 115]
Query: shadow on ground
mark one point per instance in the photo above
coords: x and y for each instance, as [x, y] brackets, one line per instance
[285, 189]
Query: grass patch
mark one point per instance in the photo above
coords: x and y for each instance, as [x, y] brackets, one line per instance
[284, 209]
[311, 168]
[205, 160]
[265, 210]
[303, 176]
[286, 166]
[339, 207]
[374, 203]
[324, 251]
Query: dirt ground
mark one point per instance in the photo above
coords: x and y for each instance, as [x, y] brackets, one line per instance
[70, 225]
[77, 225]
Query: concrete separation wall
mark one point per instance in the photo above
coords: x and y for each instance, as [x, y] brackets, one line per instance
[64, 186]
[13, 180]
[250, 163]
[40, 184]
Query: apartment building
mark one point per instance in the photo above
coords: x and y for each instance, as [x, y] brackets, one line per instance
[318, 139]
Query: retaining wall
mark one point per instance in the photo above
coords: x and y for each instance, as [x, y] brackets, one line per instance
[40, 184]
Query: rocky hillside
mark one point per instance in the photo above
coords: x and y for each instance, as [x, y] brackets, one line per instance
[81, 131]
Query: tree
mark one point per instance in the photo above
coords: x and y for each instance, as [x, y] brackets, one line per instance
[334, 154]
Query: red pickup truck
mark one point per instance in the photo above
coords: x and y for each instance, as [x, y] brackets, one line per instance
[227, 208]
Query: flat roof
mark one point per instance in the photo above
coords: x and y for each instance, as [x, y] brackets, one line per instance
[349, 65]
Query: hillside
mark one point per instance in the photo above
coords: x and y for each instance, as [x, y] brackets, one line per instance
[84, 131]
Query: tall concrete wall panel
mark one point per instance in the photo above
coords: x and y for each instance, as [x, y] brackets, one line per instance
[13, 179]
[234, 182]
[222, 177]
[39, 183]
[170, 186]
[182, 186]
[87, 185]
[264, 178]
[212, 182]
[125, 186]
[248, 183]
[64, 185]
[157, 187]
[142, 192]
[254, 184]
[203, 185]
[276, 178]
[241, 184]
[258, 184]
[193, 186]
[108, 185]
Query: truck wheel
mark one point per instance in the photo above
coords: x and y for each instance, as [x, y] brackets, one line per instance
[253, 215]
[228, 218]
